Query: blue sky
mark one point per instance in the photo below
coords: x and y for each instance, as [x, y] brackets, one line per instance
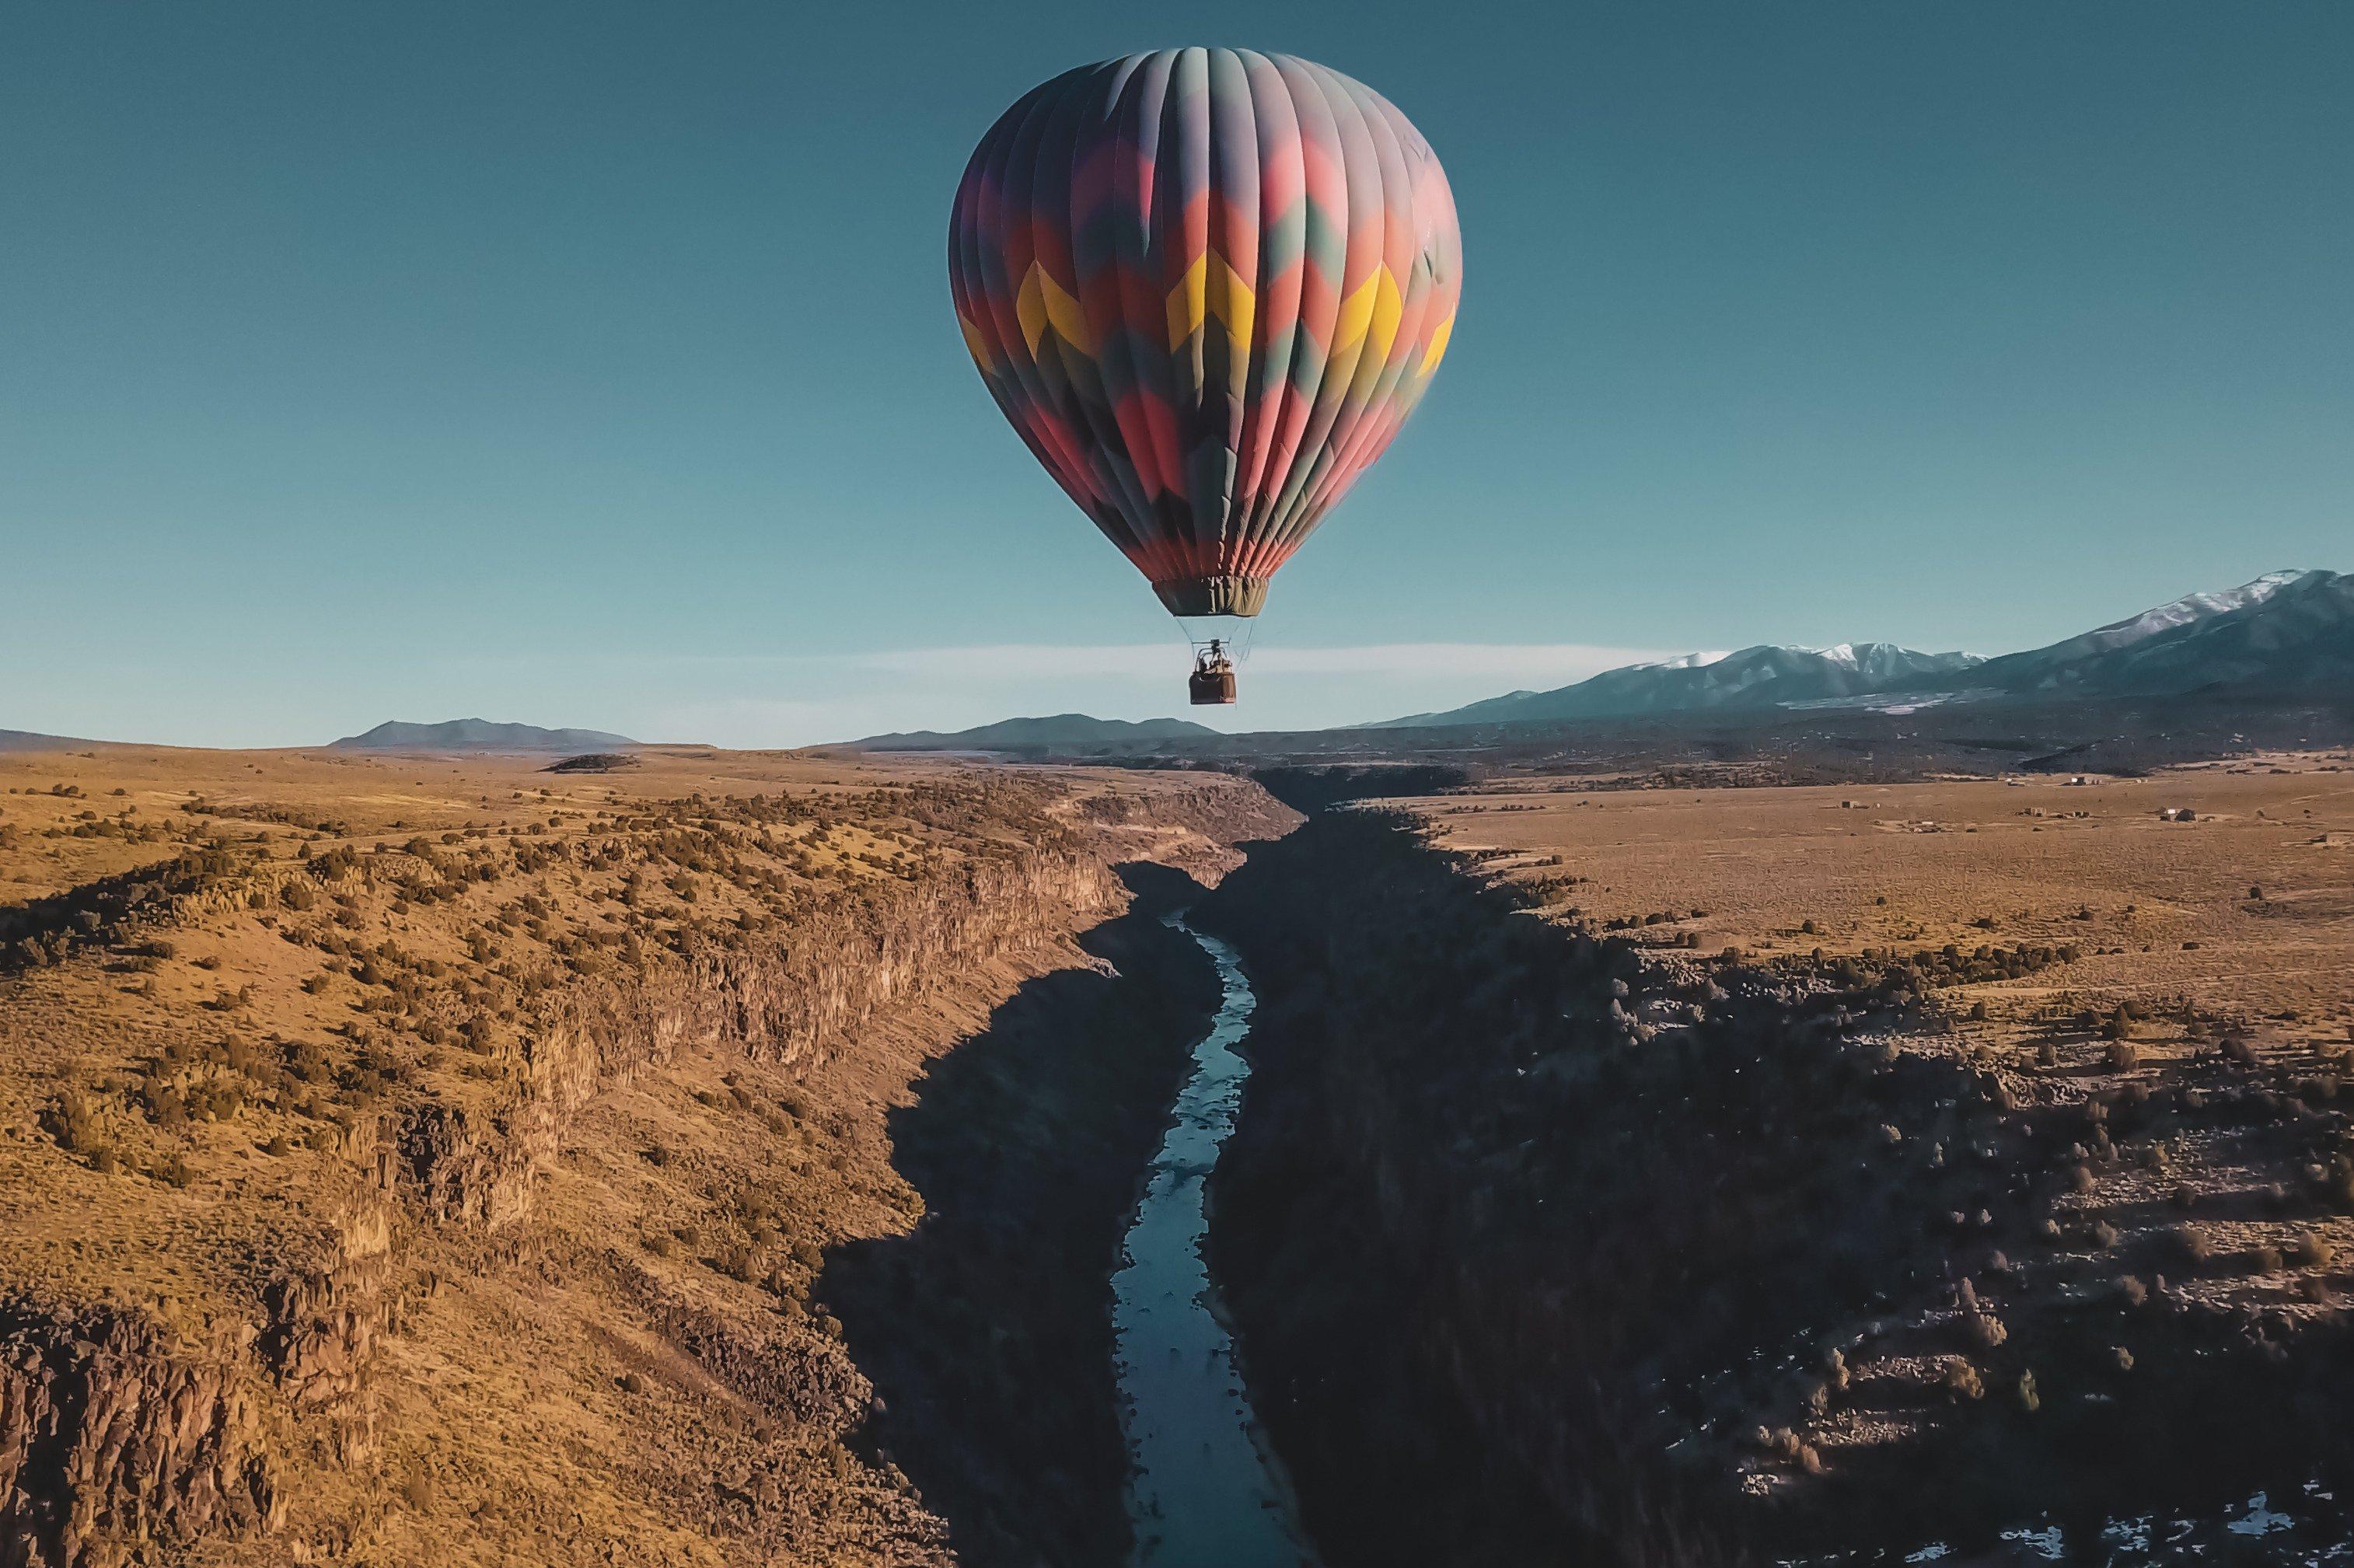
[593, 365]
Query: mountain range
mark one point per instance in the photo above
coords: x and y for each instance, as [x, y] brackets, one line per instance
[478, 735]
[2286, 632]
[1753, 678]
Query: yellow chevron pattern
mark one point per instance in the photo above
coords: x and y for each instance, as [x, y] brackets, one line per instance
[1357, 311]
[1210, 287]
[1437, 344]
[1372, 310]
[975, 344]
[1042, 302]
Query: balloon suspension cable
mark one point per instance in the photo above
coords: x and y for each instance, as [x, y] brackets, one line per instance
[1235, 646]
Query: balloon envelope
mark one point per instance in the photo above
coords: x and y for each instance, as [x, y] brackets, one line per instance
[1206, 286]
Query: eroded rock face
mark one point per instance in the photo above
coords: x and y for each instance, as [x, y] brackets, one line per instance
[112, 1435]
[324, 1324]
[1196, 831]
[788, 1004]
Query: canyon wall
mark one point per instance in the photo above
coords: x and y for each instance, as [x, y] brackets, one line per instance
[787, 1003]
[1543, 1248]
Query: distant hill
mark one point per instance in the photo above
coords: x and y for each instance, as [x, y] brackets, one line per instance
[31, 740]
[2284, 632]
[479, 735]
[1057, 733]
[1755, 679]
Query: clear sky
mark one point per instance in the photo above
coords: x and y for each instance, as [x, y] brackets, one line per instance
[593, 365]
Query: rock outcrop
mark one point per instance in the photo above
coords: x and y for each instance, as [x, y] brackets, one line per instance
[115, 1435]
[787, 1003]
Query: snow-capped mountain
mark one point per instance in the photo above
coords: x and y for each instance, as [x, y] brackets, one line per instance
[2155, 622]
[2285, 632]
[1753, 678]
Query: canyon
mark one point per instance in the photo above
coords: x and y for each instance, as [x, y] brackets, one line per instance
[729, 1159]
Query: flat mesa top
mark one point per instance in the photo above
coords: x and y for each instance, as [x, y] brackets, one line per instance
[2158, 907]
[361, 798]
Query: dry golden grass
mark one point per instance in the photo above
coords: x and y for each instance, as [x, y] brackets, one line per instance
[1916, 865]
[196, 1086]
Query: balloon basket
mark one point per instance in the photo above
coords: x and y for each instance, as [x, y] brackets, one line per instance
[1210, 687]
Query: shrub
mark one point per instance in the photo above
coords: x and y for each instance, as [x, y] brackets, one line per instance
[165, 1105]
[1961, 1380]
[72, 1123]
[2315, 1250]
[2192, 1243]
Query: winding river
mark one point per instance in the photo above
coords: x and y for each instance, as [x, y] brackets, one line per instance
[1206, 1493]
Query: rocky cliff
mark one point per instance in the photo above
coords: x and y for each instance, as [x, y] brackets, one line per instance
[1543, 1248]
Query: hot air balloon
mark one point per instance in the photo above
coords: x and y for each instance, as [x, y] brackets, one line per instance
[1205, 287]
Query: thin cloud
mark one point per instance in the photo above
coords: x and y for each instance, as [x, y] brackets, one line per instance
[840, 696]
[992, 663]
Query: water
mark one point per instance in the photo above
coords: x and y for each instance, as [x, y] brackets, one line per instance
[1206, 1494]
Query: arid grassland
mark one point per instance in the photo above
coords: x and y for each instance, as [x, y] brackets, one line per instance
[430, 1160]
[2248, 908]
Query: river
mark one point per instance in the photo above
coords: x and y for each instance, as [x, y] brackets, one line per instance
[1206, 1493]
